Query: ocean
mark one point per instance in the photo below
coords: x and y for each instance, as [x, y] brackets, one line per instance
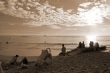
[33, 45]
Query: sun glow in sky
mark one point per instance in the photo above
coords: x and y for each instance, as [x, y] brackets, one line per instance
[91, 38]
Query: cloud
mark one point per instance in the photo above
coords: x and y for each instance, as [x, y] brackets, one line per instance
[2, 6]
[45, 14]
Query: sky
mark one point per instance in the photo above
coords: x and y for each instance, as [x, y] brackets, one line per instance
[55, 17]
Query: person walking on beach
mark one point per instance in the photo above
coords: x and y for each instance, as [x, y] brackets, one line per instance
[63, 50]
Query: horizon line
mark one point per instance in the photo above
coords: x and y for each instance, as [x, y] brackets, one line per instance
[48, 35]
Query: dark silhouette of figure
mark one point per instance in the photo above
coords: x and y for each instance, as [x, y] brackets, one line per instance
[63, 50]
[83, 45]
[80, 45]
[96, 46]
[24, 61]
[91, 44]
[48, 58]
[14, 60]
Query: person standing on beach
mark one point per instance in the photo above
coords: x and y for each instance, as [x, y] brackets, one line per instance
[63, 50]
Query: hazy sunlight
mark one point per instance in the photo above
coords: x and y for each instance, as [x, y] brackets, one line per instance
[91, 38]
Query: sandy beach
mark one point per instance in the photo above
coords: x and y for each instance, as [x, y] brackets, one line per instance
[90, 62]
[54, 36]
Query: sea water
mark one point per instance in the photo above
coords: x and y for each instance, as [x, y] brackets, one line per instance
[33, 45]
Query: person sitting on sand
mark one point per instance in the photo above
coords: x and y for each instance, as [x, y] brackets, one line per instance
[24, 61]
[63, 50]
[91, 44]
[1, 69]
[96, 46]
[14, 60]
[80, 45]
[48, 58]
[83, 45]
[45, 58]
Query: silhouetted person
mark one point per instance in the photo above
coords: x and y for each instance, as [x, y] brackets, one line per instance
[24, 61]
[96, 46]
[14, 60]
[63, 50]
[91, 44]
[80, 45]
[83, 45]
[48, 58]
[45, 58]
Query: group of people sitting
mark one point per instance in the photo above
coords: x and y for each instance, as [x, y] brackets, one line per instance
[81, 45]
[46, 57]
[43, 60]
[92, 46]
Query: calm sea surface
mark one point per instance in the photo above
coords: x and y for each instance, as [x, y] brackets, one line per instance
[32, 45]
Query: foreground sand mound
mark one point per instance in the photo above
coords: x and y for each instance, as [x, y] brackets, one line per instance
[91, 62]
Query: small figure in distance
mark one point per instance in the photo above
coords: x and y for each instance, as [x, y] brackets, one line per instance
[63, 50]
[91, 44]
[14, 60]
[83, 45]
[96, 46]
[80, 45]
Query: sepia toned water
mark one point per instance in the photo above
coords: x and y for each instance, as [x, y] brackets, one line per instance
[32, 45]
